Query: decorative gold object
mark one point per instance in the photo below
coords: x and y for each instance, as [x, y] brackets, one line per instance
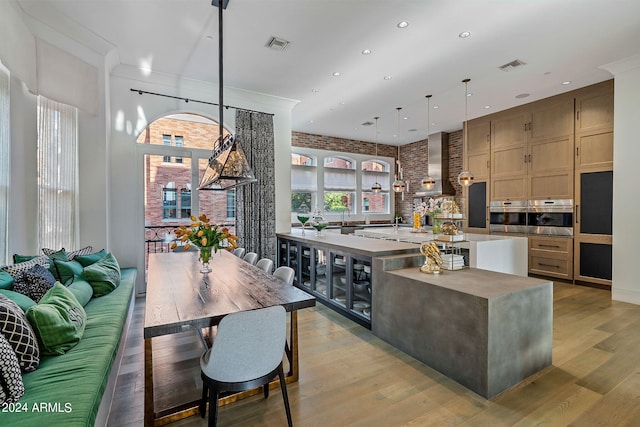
[433, 260]
[450, 206]
[450, 229]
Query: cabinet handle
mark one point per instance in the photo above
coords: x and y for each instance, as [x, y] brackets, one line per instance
[529, 158]
[548, 265]
[577, 214]
[542, 245]
[488, 164]
[488, 138]
[578, 115]
[577, 151]
[525, 158]
[525, 127]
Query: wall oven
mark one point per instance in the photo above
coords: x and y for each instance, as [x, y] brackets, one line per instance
[508, 216]
[551, 217]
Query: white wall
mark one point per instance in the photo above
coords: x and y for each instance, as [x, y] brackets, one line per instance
[626, 203]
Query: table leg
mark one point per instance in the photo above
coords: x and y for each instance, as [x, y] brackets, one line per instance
[149, 412]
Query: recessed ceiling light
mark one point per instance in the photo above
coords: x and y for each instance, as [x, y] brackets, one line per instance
[366, 52]
[405, 118]
[388, 77]
[566, 82]
[487, 106]
[209, 37]
[435, 107]
[336, 74]
[469, 94]
[522, 95]
[403, 24]
[464, 34]
[310, 121]
[315, 90]
[341, 102]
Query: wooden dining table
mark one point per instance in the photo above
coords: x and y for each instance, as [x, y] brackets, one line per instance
[180, 298]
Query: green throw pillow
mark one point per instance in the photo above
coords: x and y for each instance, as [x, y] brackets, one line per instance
[87, 260]
[63, 271]
[23, 301]
[81, 289]
[58, 320]
[6, 280]
[103, 275]
[22, 258]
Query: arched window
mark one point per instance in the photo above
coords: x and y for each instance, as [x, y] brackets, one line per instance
[339, 185]
[375, 171]
[303, 181]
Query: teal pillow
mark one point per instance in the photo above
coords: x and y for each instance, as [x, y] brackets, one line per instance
[103, 275]
[81, 289]
[22, 258]
[6, 280]
[23, 301]
[64, 271]
[58, 320]
[87, 260]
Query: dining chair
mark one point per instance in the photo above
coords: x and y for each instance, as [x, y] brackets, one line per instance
[285, 273]
[265, 264]
[246, 353]
[239, 252]
[251, 258]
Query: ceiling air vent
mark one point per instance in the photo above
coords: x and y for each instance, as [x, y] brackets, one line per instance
[276, 43]
[512, 65]
[367, 123]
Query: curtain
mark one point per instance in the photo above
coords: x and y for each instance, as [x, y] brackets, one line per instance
[57, 175]
[5, 162]
[256, 203]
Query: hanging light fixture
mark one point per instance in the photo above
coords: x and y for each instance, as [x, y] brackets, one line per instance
[376, 187]
[428, 182]
[228, 165]
[465, 178]
[398, 184]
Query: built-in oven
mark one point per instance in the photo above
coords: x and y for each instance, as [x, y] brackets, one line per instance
[508, 216]
[551, 217]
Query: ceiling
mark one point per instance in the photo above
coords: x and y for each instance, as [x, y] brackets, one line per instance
[559, 40]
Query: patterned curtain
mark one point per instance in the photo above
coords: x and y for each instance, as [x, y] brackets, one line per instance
[256, 203]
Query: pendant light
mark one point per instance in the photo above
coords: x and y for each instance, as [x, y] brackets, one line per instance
[398, 184]
[465, 178]
[228, 165]
[376, 187]
[428, 182]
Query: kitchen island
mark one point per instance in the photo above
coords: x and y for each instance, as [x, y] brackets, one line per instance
[486, 330]
[504, 254]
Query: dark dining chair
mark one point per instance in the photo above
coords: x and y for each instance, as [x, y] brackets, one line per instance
[247, 353]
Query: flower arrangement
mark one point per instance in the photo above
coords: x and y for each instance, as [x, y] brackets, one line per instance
[205, 236]
[430, 207]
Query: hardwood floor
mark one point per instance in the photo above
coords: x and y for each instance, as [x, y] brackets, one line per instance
[350, 377]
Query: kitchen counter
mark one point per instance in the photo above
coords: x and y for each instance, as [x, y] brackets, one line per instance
[503, 254]
[486, 330]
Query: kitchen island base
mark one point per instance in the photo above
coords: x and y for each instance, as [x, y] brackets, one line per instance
[486, 330]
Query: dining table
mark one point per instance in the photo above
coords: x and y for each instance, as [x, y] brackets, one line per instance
[179, 298]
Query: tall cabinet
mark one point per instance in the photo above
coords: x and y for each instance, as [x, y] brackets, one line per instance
[594, 184]
[478, 152]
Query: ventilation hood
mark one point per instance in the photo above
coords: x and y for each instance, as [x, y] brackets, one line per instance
[438, 162]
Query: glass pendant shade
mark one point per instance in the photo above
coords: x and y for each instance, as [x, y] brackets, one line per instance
[376, 187]
[428, 183]
[228, 167]
[465, 178]
[398, 186]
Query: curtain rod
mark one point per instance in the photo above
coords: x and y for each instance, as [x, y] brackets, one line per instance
[140, 92]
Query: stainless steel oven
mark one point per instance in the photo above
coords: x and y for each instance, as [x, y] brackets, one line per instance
[551, 217]
[508, 216]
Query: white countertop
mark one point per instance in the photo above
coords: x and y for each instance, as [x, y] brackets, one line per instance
[411, 235]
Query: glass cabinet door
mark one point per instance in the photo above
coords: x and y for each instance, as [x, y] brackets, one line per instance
[339, 278]
[305, 266]
[361, 287]
[318, 269]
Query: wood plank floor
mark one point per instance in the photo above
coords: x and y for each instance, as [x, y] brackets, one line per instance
[348, 377]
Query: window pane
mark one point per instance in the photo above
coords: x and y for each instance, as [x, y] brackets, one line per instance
[194, 130]
[339, 201]
[339, 163]
[374, 165]
[231, 204]
[4, 163]
[300, 197]
[303, 178]
[375, 202]
[213, 203]
[185, 203]
[169, 203]
[339, 179]
[301, 159]
[369, 178]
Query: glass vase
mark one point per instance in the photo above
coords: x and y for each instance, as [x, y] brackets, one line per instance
[437, 226]
[205, 257]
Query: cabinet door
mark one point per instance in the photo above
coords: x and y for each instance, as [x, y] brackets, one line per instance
[479, 136]
[551, 120]
[477, 208]
[551, 256]
[594, 150]
[594, 204]
[478, 164]
[594, 109]
[593, 260]
[508, 129]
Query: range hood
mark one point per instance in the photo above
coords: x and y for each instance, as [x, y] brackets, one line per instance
[438, 162]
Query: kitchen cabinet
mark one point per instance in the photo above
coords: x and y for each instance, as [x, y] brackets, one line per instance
[478, 155]
[532, 151]
[551, 256]
[594, 127]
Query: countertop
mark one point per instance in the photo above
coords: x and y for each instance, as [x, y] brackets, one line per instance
[352, 244]
[411, 235]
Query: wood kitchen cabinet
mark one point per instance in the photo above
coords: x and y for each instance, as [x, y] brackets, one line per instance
[478, 152]
[532, 151]
[551, 256]
[594, 127]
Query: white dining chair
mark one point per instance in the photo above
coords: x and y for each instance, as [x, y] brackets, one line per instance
[239, 252]
[265, 264]
[246, 353]
[251, 258]
[285, 273]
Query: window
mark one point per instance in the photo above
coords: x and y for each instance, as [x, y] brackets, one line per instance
[57, 174]
[340, 184]
[169, 203]
[185, 203]
[231, 204]
[179, 143]
[166, 141]
[4, 163]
